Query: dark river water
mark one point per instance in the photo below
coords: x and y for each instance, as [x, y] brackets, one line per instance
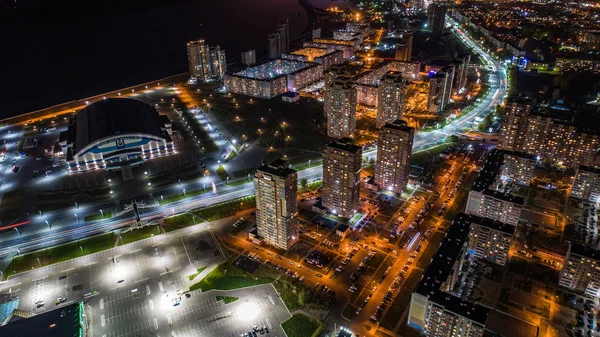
[56, 56]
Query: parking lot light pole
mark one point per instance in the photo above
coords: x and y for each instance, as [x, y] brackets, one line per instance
[76, 217]
[18, 233]
[41, 213]
[102, 214]
[47, 223]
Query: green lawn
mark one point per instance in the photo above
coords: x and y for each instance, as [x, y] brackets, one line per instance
[98, 216]
[401, 302]
[180, 196]
[244, 173]
[227, 299]
[178, 221]
[198, 272]
[139, 234]
[228, 277]
[13, 198]
[300, 325]
[226, 209]
[349, 311]
[239, 182]
[60, 253]
[231, 155]
[222, 173]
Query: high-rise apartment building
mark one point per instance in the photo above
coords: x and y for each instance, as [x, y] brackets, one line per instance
[440, 89]
[205, 62]
[249, 57]
[586, 185]
[283, 28]
[275, 187]
[341, 177]
[514, 123]
[461, 70]
[394, 149]
[340, 107]
[391, 96]
[404, 47]
[274, 45]
[581, 270]
[517, 168]
[489, 240]
[436, 16]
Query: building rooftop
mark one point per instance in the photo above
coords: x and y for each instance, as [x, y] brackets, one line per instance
[345, 144]
[399, 125]
[441, 266]
[274, 69]
[591, 169]
[519, 154]
[62, 322]
[585, 251]
[279, 168]
[493, 224]
[501, 324]
[113, 116]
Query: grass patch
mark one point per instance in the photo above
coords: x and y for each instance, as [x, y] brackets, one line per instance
[231, 155]
[10, 214]
[226, 209]
[140, 234]
[60, 253]
[228, 277]
[300, 325]
[244, 173]
[180, 196]
[227, 299]
[178, 221]
[401, 302]
[222, 173]
[349, 311]
[99, 216]
[239, 182]
[198, 272]
[13, 198]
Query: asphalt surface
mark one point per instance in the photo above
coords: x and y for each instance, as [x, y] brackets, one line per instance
[137, 285]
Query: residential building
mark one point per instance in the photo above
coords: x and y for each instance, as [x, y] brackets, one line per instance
[581, 270]
[461, 70]
[514, 123]
[440, 89]
[487, 198]
[490, 240]
[517, 168]
[394, 149]
[205, 62]
[586, 185]
[274, 45]
[316, 33]
[436, 15]
[435, 310]
[340, 108]
[404, 47]
[391, 97]
[249, 57]
[341, 177]
[283, 28]
[275, 187]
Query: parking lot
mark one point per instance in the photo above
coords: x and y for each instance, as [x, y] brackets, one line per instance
[140, 289]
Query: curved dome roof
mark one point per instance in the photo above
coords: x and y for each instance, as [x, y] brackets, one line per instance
[115, 116]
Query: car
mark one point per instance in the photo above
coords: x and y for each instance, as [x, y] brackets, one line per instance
[319, 275]
[188, 295]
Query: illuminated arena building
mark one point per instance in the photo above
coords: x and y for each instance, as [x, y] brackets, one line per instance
[113, 134]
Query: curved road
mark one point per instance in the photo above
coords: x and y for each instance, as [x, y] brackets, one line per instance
[40, 236]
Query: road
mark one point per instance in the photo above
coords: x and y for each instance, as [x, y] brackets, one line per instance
[40, 236]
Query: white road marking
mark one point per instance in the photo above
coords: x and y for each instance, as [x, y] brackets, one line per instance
[142, 280]
[66, 270]
[160, 286]
[89, 264]
[102, 319]
[155, 324]
[101, 303]
[169, 319]
[151, 305]
[148, 292]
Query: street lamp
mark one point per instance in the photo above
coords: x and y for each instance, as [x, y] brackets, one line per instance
[184, 192]
[309, 163]
[18, 233]
[47, 223]
[102, 214]
[76, 217]
[41, 214]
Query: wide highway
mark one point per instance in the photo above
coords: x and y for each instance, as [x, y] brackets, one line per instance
[40, 236]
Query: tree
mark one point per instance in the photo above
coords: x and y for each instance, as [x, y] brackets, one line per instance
[303, 182]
